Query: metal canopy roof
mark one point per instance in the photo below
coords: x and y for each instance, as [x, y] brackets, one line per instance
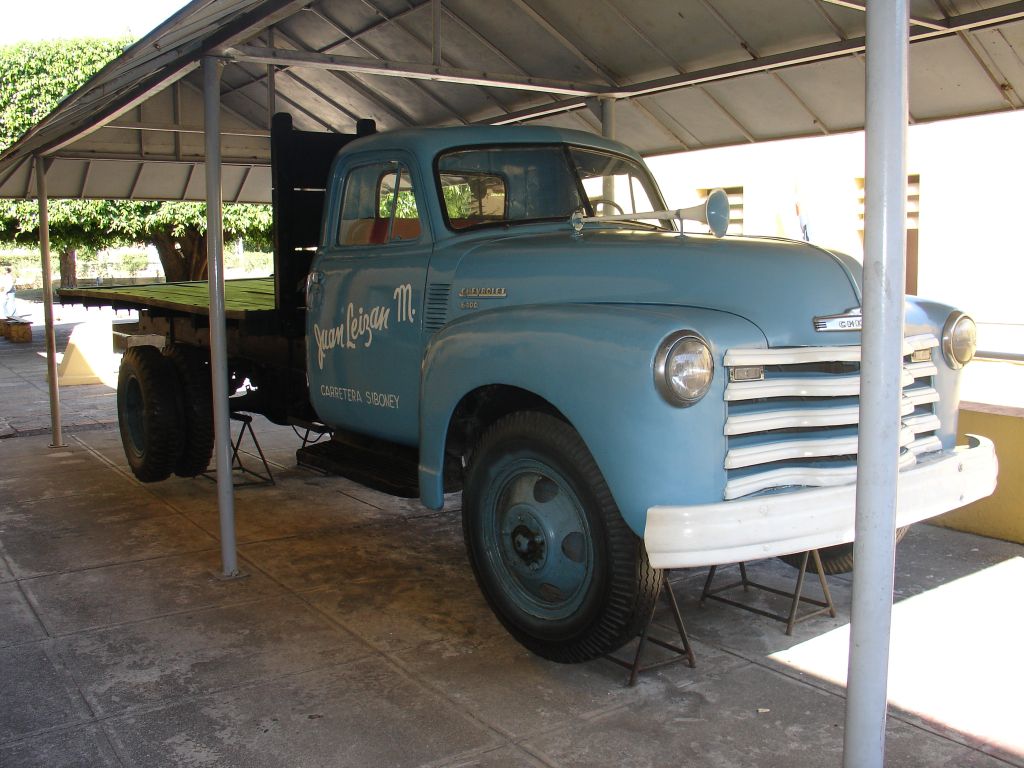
[690, 74]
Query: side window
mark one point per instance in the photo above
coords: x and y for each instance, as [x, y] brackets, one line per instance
[378, 205]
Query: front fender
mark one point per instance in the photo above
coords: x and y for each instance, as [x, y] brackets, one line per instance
[594, 363]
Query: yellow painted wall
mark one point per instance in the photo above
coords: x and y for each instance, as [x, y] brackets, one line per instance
[1001, 515]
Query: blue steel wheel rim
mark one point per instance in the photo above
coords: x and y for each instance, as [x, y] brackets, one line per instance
[537, 540]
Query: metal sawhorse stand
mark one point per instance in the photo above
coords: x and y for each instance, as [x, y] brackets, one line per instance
[791, 619]
[680, 652]
[264, 478]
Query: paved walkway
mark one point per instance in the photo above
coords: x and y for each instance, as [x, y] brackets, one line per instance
[24, 394]
[358, 637]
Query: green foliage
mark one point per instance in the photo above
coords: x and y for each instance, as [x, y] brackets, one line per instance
[35, 77]
[134, 262]
[458, 199]
[84, 224]
[406, 205]
[135, 222]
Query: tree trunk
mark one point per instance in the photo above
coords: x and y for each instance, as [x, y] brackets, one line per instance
[183, 257]
[69, 268]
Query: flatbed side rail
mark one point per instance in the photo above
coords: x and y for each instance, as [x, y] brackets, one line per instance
[245, 299]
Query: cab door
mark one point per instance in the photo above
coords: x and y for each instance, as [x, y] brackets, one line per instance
[365, 302]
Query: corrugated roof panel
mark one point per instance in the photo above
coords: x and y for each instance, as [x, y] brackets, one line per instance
[244, 92]
[832, 90]
[151, 180]
[944, 71]
[359, 16]
[685, 30]
[764, 106]
[360, 97]
[765, 30]
[578, 120]
[702, 118]
[636, 123]
[1002, 49]
[518, 34]
[669, 132]
[605, 35]
[296, 96]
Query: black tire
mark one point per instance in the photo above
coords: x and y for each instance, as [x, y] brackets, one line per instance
[531, 484]
[834, 560]
[149, 413]
[193, 369]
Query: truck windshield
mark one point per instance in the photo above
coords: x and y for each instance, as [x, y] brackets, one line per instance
[516, 184]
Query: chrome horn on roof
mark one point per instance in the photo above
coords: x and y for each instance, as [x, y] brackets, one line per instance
[714, 212]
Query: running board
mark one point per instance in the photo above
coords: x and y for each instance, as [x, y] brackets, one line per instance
[385, 467]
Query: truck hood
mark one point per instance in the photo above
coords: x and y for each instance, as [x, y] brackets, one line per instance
[779, 285]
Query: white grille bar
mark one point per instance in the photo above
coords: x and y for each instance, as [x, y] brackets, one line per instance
[922, 396]
[798, 355]
[807, 448]
[925, 422]
[813, 476]
[800, 418]
[925, 445]
[809, 386]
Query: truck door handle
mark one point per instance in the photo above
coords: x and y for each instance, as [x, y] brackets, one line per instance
[313, 282]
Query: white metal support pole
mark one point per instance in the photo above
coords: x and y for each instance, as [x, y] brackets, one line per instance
[877, 462]
[51, 341]
[608, 130]
[218, 328]
[608, 126]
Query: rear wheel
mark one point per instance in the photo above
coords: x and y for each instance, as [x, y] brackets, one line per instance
[551, 553]
[193, 369]
[837, 559]
[149, 413]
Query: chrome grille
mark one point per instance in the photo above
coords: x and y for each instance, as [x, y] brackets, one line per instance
[798, 425]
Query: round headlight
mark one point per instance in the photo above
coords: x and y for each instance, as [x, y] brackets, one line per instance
[683, 368]
[959, 340]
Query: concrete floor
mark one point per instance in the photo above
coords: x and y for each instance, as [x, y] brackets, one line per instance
[358, 637]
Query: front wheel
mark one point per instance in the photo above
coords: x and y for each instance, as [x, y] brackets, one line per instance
[551, 553]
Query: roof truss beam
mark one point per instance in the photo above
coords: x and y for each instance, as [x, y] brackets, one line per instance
[167, 128]
[285, 58]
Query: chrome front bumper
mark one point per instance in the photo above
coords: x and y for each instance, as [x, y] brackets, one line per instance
[779, 524]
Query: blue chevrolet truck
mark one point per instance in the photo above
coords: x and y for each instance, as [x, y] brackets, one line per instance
[513, 313]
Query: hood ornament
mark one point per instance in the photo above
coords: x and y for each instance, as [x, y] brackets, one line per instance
[850, 320]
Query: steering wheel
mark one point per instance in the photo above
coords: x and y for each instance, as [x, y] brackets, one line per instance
[596, 201]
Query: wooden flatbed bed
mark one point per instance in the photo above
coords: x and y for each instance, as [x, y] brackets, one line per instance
[249, 299]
